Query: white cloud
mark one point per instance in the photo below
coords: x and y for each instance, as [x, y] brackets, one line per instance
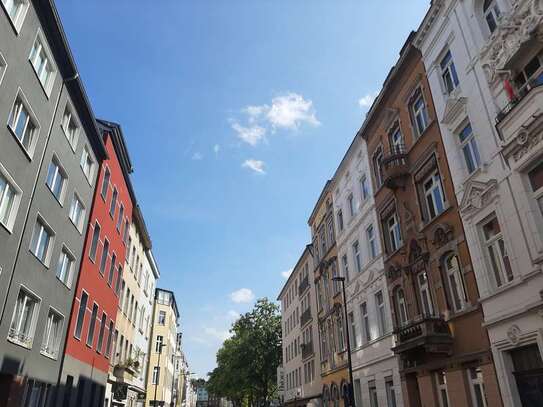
[290, 111]
[251, 135]
[286, 273]
[197, 156]
[215, 333]
[255, 165]
[243, 295]
[216, 148]
[366, 100]
[233, 315]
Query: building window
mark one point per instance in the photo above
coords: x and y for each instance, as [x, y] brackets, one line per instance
[9, 199]
[357, 392]
[16, 10]
[81, 314]
[535, 176]
[109, 339]
[373, 394]
[396, 138]
[353, 331]
[65, 267]
[427, 308]
[120, 219]
[340, 333]
[77, 213]
[366, 332]
[393, 238]
[113, 205]
[477, 387]
[496, 252]
[364, 187]
[103, 259]
[3, 65]
[448, 73]
[372, 244]
[419, 112]
[381, 314]
[105, 183]
[350, 201]
[125, 231]
[377, 167]
[340, 219]
[70, 127]
[455, 282]
[42, 241]
[469, 148]
[36, 393]
[345, 267]
[527, 368]
[118, 281]
[433, 195]
[443, 395]
[391, 394]
[56, 179]
[401, 306]
[87, 164]
[356, 256]
[94, 242]
[42, 64]
[101, 333]
[156, 375]
[530, 75]
[159, 343]
[52, 334]
[111, 269]
[92, 325]
[492, 14]
[23, 125]
[23, 321]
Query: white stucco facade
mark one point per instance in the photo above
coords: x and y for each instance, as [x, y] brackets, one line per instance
[360, 260]
[494, 167]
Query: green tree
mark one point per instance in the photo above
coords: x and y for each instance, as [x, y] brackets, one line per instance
[247, 362]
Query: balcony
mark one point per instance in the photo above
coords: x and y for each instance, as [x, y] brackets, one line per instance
[428, 335]
[394, 167]
[305, 317]
[304, 284]
[127, 370]
[307, 350]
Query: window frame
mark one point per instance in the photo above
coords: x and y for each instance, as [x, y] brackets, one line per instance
[50, 243]
[3, 65]
[442, 388]
[87, 158]
[18, 20]
[423, 288]
[72, 118]
[455, 273]
[58, 171]
[372, 242]
[365, 332]
[92, 325]
[79, 223]
[377, 164]
[448, 68]
[493, 242]
[20, 97]
[474, 382]
[401, 305]
[39, 38]
[381, 313]
[81, 316]
[9, 220]
[418, 95]
[93, 249]
[33, 322]
[47, 332]
[66, 252]
[468, 146]
[433, 207]
[104, 189]
[356, 256]
[492, 9]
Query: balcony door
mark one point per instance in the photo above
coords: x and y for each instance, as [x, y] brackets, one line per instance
[528, 374]
[426, 306]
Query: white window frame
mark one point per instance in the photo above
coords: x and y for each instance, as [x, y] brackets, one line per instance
[403, 318]
[425, 294]
[18, 19]
[393, 232]
[87, 159]
[377, 162]
[102, 266]
[448, 69]
[69, 118]
[372, 243]
[356, 256]
[345, 264]
[65, 252]
[340, 220]
[476, 382]
[390, 390]
[469, 148]
[12, 336]
[58, 171]
[49, 249]
[493, 10]
[455, 283]
[432, 202]
[494, 242]
[380, 308]
[365, 188]
[13, 118]
[442, 389]
[365, 331]
[3, 66]
[421, 112]
[537, 195]
[45, 54]
[14, 206]
[155, 378]
[78, 222]
[45, 350]
[351, 204]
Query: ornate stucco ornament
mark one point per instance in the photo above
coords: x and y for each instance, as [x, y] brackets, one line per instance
[513, 333]
[523, 22]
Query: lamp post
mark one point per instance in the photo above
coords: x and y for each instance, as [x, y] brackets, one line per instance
[162, 345]
[351, 392]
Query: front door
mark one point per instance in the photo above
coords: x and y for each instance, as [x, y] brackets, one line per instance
[528, 373]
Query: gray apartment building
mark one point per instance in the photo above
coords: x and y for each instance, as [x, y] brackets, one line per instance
[50, 153]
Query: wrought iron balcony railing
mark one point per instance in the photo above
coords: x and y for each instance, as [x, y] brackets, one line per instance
[395, 167]
[430, 333]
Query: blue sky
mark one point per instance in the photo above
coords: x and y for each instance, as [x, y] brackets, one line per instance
[235, 113]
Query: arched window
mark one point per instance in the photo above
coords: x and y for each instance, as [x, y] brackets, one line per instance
[492, 14]
[401, 307]
[455, 282]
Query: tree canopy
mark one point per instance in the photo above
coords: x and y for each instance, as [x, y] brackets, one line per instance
[247, 362]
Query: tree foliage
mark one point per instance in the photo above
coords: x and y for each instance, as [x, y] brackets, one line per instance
[247, 362]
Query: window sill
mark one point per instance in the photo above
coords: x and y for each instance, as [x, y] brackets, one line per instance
[48, 355]
[6, 228]
[54, 196]
[424, 226]
[63, 284]
[27, 153]
[39, 260]
[74, 145]
[76, 227]
[19, 343]
[12, 23]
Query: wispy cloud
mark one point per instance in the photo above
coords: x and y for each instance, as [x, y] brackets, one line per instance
[217, 334]
[242, 296]
[233, 315]
[216, 148]
[366, 100]
[286, 274]
[197, 156]
[255, 165]
[288, 111]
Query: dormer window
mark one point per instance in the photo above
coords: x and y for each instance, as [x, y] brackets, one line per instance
[492, 14]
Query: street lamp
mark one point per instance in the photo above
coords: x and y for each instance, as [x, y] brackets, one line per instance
[351, 392]
[162, 345]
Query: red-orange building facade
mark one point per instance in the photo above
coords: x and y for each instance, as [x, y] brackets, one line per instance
[443, 349]
[91, 331]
